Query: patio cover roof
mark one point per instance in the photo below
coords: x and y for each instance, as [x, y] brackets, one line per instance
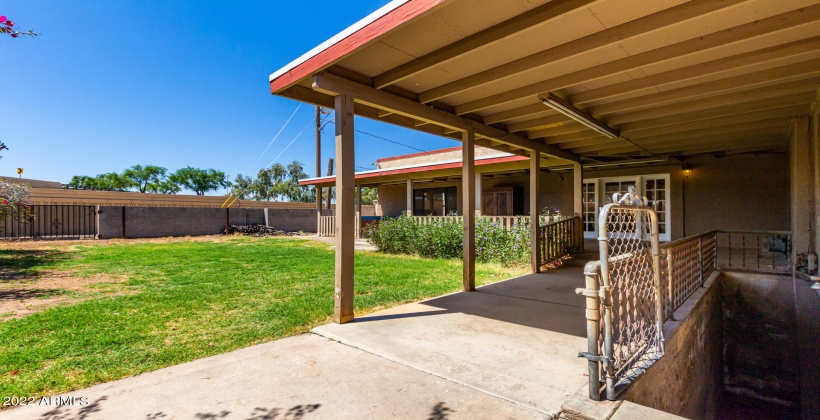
[674, 77]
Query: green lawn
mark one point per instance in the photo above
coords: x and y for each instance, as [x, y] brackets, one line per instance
[181, 301]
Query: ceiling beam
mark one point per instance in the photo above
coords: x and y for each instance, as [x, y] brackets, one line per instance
[594, 41]
[568, 128]
[753, 95]
[540, 123]
[334, 85]
[784, 112]
[687, 135]
[801, 47]
[792, 72]
[698, 44]
[725, 111]
[778, 134]
[694, 136]
[538, 16]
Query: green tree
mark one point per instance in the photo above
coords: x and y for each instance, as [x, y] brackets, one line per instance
[143, 176]
[113, 181]
[198, 180]
[165, 186]
[369, 195]
[289, 188]
[265, 187]
[242, 187]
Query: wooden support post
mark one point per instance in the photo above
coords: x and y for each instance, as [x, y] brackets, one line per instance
[123, 222]
[319, 211]
[409, 197]
[478, 197]
[468, 198]
[578, 201]
[358, 211]
[227, 221]
[535, 178]
[345, 210]
[800, 180]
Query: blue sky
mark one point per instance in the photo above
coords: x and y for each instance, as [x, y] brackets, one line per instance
[110, 84]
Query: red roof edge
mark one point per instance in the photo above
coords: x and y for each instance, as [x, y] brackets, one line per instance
[412, 155]
[363, 36]
[420, 168]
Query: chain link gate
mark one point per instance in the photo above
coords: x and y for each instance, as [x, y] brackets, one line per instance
[623, 291]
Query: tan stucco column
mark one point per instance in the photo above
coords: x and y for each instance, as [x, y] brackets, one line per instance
[535, 181]
[409, 197]
[801, 184]
[345, 210]
[578, 201]
[468, 198]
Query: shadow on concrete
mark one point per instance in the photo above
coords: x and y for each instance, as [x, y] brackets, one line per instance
[546, 301]
[440, 412]
[79, 412]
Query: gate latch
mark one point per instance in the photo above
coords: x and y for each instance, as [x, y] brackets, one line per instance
[603, 359]
[602, 293]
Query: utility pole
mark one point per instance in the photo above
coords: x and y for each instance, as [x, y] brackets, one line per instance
[318, 155]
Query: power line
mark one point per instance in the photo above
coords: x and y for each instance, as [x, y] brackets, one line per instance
[275, 137]
[384, 139]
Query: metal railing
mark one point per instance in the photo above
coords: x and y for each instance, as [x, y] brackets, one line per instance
[52, 222]
[684, 266]
[507, 222]
[560, 238]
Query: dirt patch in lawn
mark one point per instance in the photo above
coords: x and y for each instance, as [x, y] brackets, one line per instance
[23, 294]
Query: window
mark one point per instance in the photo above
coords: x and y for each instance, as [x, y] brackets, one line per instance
[655, 192]
[435, 201]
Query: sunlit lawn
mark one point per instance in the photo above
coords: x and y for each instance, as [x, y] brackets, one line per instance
[181, 301]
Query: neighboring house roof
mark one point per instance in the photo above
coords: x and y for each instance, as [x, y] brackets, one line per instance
[428, 168]
[34, 183]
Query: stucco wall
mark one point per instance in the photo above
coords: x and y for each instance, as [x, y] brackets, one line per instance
[687, 380]
[742, 192]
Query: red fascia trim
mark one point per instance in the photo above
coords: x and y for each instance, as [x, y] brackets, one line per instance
[358, 39]
[412, 155]
[436, 167]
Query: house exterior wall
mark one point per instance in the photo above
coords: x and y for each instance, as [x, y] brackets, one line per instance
[740, 192]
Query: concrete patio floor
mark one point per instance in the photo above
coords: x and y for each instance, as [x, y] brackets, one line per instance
[306, 376]
[517, 339]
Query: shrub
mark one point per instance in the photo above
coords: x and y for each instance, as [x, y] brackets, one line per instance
[443, 239]
[13, 199]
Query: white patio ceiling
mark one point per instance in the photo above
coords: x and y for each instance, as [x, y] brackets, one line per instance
[674, 77]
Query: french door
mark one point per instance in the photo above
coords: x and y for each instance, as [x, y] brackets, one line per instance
[598, 191]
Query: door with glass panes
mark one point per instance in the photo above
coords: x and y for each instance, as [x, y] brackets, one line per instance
[597, 192]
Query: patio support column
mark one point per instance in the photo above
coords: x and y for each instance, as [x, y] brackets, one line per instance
[535, 172]
[800, 181]
[345, 210]
[318, 210]
[815, 144]
[478, 198]
[409, 197]
[578, 202]
[468, 199]
[358, 211]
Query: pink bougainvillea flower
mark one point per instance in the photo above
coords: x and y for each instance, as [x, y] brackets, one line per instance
[2, 18]
[5, 201]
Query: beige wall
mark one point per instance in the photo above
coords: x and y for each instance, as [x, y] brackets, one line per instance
[741, 192]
